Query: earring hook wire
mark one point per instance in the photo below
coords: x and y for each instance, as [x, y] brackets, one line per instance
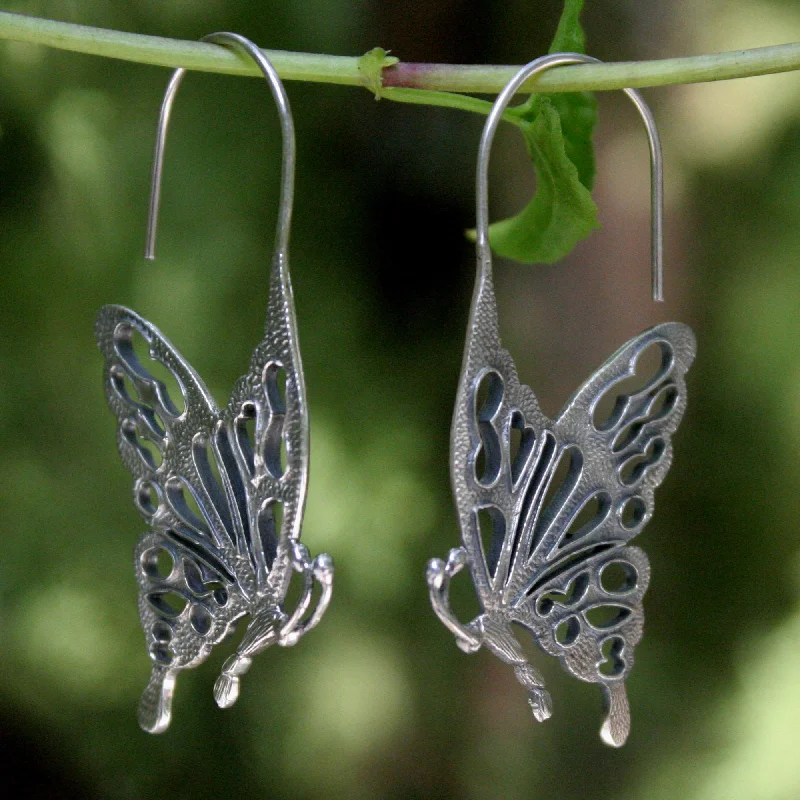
[656, 163]
[236, 42]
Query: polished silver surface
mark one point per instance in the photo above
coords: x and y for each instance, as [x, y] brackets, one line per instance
[547, 507]
[223, 491]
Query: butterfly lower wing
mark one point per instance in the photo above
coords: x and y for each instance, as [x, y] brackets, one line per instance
[186, 608]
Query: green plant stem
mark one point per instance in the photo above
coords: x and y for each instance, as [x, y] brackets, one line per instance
[430, 97]
[428, 84]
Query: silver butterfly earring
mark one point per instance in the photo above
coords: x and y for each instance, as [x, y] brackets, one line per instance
[547, 507]
[223, 491]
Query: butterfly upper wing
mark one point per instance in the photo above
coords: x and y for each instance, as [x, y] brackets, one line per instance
[615, 456]
[274, 457]
[160, 437]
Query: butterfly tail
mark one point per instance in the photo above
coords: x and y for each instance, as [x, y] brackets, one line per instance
[538, 697]
[617, 726]
[228, 684]
[263, 631]
[155, 705]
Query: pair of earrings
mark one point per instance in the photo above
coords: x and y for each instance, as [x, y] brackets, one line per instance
[546, 507]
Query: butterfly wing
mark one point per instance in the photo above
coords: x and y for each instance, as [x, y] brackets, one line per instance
[171, 445]
[268, 420]
[161, 436]
[492, 408]
[572, 579]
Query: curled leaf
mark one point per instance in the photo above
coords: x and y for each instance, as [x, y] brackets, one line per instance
[558, 132]
[561, 212]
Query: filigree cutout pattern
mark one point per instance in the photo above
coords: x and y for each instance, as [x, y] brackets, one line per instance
[547, 507]
[223, 492]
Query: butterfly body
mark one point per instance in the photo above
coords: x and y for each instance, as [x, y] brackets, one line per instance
[223, 493]
[547, 507]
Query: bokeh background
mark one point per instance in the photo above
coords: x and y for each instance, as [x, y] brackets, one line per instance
[378, 702]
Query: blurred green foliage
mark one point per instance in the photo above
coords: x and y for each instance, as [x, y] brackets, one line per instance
[378, 702]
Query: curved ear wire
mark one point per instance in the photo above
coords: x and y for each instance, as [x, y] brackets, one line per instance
[236, 42]
[536, 67]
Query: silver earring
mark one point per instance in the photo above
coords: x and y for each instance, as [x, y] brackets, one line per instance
[223, 491]
[547, 507]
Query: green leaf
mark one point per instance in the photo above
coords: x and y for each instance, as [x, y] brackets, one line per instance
[569, 36]
[558, 133]
[561, 212]
[371, 66]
